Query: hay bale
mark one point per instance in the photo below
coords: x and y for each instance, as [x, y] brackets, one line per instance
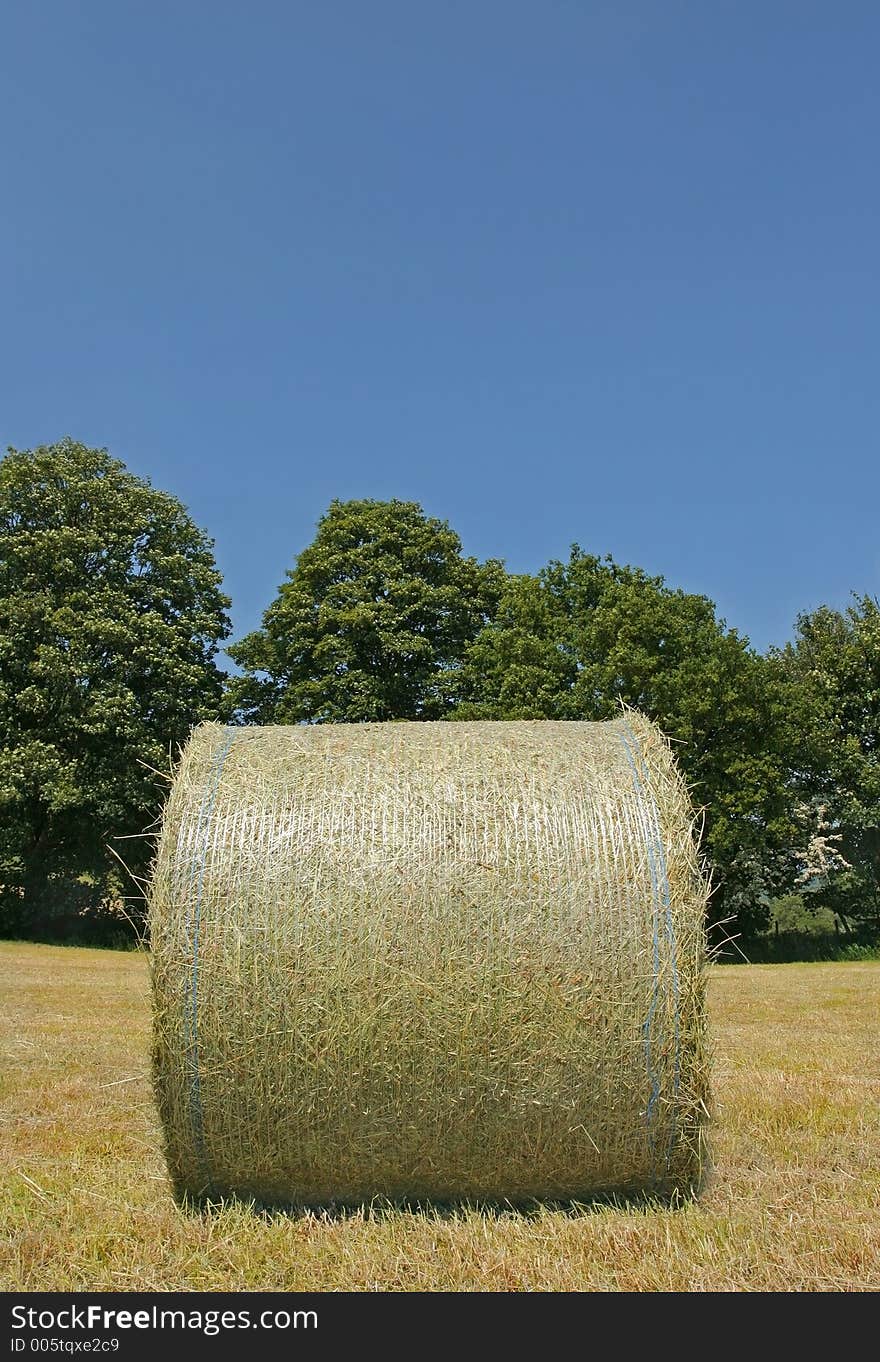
[429, 961]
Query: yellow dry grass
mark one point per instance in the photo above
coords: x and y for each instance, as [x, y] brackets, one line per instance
[794, 1203]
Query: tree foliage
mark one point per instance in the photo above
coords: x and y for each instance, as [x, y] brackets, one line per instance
[110, 615]
[370, 624]
[832, 676]
[587, 634]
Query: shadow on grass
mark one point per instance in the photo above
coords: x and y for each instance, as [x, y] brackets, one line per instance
[379, 1209]
[795, 947]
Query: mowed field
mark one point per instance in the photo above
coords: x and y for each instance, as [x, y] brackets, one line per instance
[793, 1204]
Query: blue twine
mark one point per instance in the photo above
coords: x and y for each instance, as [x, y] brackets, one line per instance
[660, 895]
[649, 1019]
[193, 923]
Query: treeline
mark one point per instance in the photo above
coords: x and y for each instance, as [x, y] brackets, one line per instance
[112, 614]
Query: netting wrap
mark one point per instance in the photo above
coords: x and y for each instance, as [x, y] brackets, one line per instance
[429, 961]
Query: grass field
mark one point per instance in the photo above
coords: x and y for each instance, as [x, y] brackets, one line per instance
[794, 1203]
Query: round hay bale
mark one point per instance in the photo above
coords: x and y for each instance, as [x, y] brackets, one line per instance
[429, 961]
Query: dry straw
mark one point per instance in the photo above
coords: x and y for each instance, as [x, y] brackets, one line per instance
[429, 961]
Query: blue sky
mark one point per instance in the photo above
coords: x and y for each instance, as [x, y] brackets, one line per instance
[559, 270]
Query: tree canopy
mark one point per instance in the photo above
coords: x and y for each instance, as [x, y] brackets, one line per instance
[111, 611]
[370, 624]
[832, 676]
[585, 635]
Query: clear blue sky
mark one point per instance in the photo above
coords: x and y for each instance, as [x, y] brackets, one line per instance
[593, 270]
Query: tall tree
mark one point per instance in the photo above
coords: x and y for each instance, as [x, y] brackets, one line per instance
[370, 624]
[111, 611]
[586, 634]
[832, 673]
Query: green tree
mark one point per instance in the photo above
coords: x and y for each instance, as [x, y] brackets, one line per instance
[110, 615]
[370, 624]
[584, 635]
[832, 674]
